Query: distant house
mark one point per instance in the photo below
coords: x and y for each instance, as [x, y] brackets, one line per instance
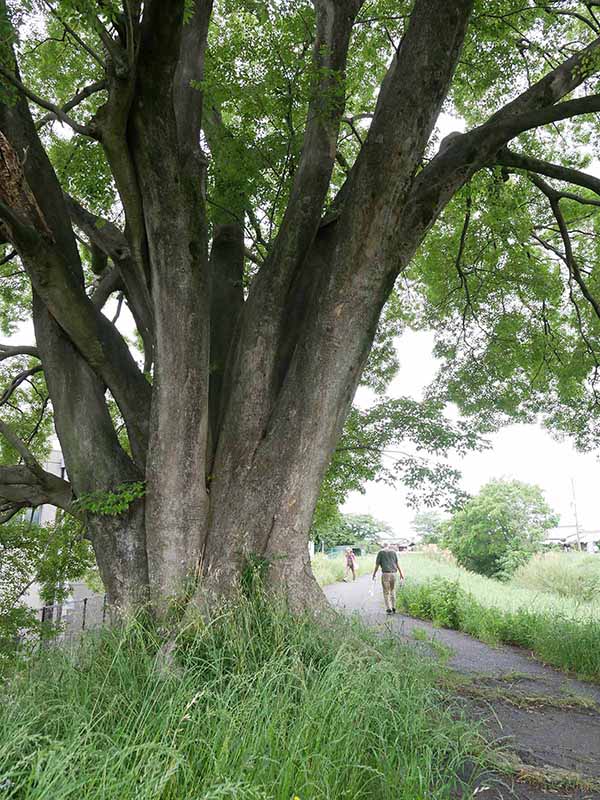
[401, 543]
[567, 537]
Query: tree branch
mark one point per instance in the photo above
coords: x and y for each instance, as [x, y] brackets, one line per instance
[508, 158]
[21, 488]
[510, 127]
[311, 181]
[84, 130]
[19, 445]
[461, 155]
[75, 35]
[88, 91]
[187, 97]
[555, 85]
[270, 311]
[17, 381]
[8, 257]
[554, 199]
[109, 283]
[53, 265]
[109, 239]
[7, 351]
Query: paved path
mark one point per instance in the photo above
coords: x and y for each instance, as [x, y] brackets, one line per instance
[555, 724]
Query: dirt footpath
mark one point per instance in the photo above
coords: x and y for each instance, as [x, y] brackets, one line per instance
[547, 722]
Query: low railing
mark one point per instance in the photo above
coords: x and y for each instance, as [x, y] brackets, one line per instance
[70, 618]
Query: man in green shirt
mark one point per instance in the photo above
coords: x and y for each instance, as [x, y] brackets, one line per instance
[387, 560]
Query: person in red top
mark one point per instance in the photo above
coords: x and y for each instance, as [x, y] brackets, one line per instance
[351, 563]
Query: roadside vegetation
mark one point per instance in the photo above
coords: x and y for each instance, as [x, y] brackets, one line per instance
[329, 570]
[549, 607]
[256, 705]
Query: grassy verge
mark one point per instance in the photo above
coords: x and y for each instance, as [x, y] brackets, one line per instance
[515, 595]
[329, 570]
[570, 643]
[257, 706]
[574, 575]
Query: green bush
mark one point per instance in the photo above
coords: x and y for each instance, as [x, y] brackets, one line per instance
[509, 596]
[499, 529]
[256, 706]
[438, 600]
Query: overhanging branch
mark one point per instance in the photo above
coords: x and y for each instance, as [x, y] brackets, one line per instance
[9, 350]
[508, 158]
[19, 445]
[17, 381]
[554, 198]
[462, 155]
[57, 111]
[20, 488]
[88, 91]
[80, 41]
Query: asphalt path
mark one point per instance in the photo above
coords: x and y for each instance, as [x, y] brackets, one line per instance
[557, 729]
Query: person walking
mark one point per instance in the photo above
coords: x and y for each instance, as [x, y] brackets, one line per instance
[351, 563]
[387, 561]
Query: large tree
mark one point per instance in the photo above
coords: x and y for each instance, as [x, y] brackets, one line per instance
[251, 180]
[500, 528]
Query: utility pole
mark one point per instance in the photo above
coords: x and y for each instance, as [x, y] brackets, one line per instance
[575, 512]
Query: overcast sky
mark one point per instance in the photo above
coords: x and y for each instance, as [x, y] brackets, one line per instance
[525, 452]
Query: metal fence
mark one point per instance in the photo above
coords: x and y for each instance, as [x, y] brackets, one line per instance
[69, 619]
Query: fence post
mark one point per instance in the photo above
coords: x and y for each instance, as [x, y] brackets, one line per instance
[84, 613]
[104, 609]
[41, 642]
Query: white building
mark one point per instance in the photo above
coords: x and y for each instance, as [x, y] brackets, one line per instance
[568, 536]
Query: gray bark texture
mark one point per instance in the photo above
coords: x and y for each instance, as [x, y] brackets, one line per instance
[234, 430]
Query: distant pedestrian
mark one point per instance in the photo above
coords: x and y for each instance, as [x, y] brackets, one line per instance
[387, 560]
[351, 563]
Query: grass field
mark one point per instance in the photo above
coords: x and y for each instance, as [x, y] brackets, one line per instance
[329, 570]
[555, 625]
[257, 706]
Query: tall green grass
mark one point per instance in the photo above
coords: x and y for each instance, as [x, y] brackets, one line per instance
[329, 570]
[574, 575]
[256, 705]
[558, 630]
[511, 596]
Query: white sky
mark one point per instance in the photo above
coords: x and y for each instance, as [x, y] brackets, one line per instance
[525, 452]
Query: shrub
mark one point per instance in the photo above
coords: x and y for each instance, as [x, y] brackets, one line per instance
[439, 600]
[500, 528]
